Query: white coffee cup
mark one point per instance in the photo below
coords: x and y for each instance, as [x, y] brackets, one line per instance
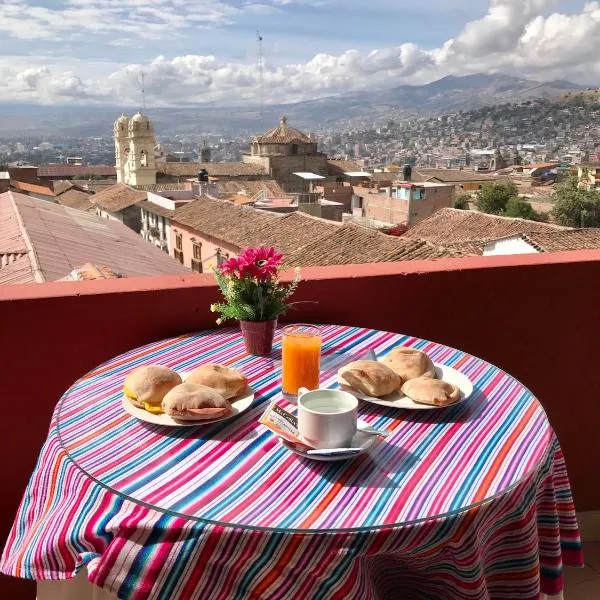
[327, 418]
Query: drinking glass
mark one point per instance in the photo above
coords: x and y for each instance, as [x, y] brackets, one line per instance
[301, 358]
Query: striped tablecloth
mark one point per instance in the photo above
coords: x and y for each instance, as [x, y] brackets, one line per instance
[468, 502]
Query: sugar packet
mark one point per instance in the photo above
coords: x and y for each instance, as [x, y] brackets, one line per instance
[284, 424]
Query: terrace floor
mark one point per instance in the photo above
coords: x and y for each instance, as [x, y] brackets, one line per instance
[584, 584]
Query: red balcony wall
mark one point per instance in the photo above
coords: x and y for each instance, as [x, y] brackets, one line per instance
[536, 316]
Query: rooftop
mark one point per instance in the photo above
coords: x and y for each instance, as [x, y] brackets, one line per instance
[118, 197]
[340, 167]
[250, 187]
[75, 198]
[449, 175]
[43, 241]
[73, 170]
[559, 241]
[283, 134]
[217, 169]
[450, 226]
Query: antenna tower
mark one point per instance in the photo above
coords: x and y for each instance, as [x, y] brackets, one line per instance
[142, 76]
[261, 71]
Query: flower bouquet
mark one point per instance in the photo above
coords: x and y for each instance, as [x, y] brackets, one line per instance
[254, 295]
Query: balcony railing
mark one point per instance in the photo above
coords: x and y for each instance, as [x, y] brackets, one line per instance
[536, 316]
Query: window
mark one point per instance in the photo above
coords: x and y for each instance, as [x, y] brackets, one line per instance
[197, 251]
[196, 265]
[178, 241]
[144, 159]
[178, 255]
[419, 194]
[221, 256]
[294, 148]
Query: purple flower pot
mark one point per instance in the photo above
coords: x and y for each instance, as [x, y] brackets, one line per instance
[258, 336]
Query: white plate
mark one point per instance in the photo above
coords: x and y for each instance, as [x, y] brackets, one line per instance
[399, 400]
[239, 405]
[360, 440]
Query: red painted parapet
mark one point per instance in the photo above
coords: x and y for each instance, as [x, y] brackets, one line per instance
[536, 316]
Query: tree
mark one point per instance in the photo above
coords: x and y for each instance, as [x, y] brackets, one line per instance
[493, 197]
[574, 206]
[516, 207]
[462, 202]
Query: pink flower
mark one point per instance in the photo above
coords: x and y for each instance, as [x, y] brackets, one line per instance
[258, 263]
[262, 262]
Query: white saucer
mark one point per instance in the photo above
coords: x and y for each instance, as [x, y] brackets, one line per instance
[239, 405]
[399, 400]
[364, 441]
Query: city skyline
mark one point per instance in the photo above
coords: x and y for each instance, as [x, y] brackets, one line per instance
[84, 52]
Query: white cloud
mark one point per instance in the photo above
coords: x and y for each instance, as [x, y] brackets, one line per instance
[515, 36]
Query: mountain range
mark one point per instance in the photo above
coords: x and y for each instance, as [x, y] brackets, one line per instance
[355, 109]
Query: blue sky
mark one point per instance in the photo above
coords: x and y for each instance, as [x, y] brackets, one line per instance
[89, 50]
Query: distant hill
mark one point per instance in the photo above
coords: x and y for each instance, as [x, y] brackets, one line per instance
[448, 94]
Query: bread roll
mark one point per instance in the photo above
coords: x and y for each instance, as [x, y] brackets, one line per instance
[228, 382]
[195, 402]
[409, 363]
[146, 386]
[431, 391]
[370, 377]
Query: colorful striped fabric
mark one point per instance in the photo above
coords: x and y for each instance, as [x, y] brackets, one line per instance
[468, 502]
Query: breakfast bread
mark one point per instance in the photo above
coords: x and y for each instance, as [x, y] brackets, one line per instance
[409, 363]
[425, 390]
[370, 377]
[145, 387]
[195, 402]
[228, 382]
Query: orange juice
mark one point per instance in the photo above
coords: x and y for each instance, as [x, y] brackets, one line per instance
[301, 357]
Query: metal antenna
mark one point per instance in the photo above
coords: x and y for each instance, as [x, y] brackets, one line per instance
[142, 76]
[261, 71]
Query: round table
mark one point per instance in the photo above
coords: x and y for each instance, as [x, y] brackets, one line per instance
[449, 506]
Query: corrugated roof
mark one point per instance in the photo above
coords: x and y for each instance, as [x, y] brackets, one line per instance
[63, 239]
[72, 170]
[118, 196]
[218, 169]
[453, 226]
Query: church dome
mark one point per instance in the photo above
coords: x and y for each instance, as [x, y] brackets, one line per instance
[121, 124]
[140, 122]
[284, 135]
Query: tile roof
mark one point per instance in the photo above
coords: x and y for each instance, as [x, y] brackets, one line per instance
[452, 226]
[75, 198]
[283, 135]
[62, 239]
[449, 175]
[559, 241]
[293, 231]
[73, 170]
[250, 187]
[156, 209]
[339, 167]
[33, 188]
[217, 169]
[161, 187]
[62, 185]
[223, 220]
[352, 244]
[118, 196]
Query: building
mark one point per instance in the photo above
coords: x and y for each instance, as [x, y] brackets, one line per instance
[549, 241]
[120, 203]
[465, 180]
[468, 231]
[4, 181]
[589, 176]
[48, 173]
[403, 203]
[156, 214]
[135, 142]
[284, 151]
[43, 241]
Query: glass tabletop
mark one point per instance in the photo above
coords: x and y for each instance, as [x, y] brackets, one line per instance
[237, 473]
